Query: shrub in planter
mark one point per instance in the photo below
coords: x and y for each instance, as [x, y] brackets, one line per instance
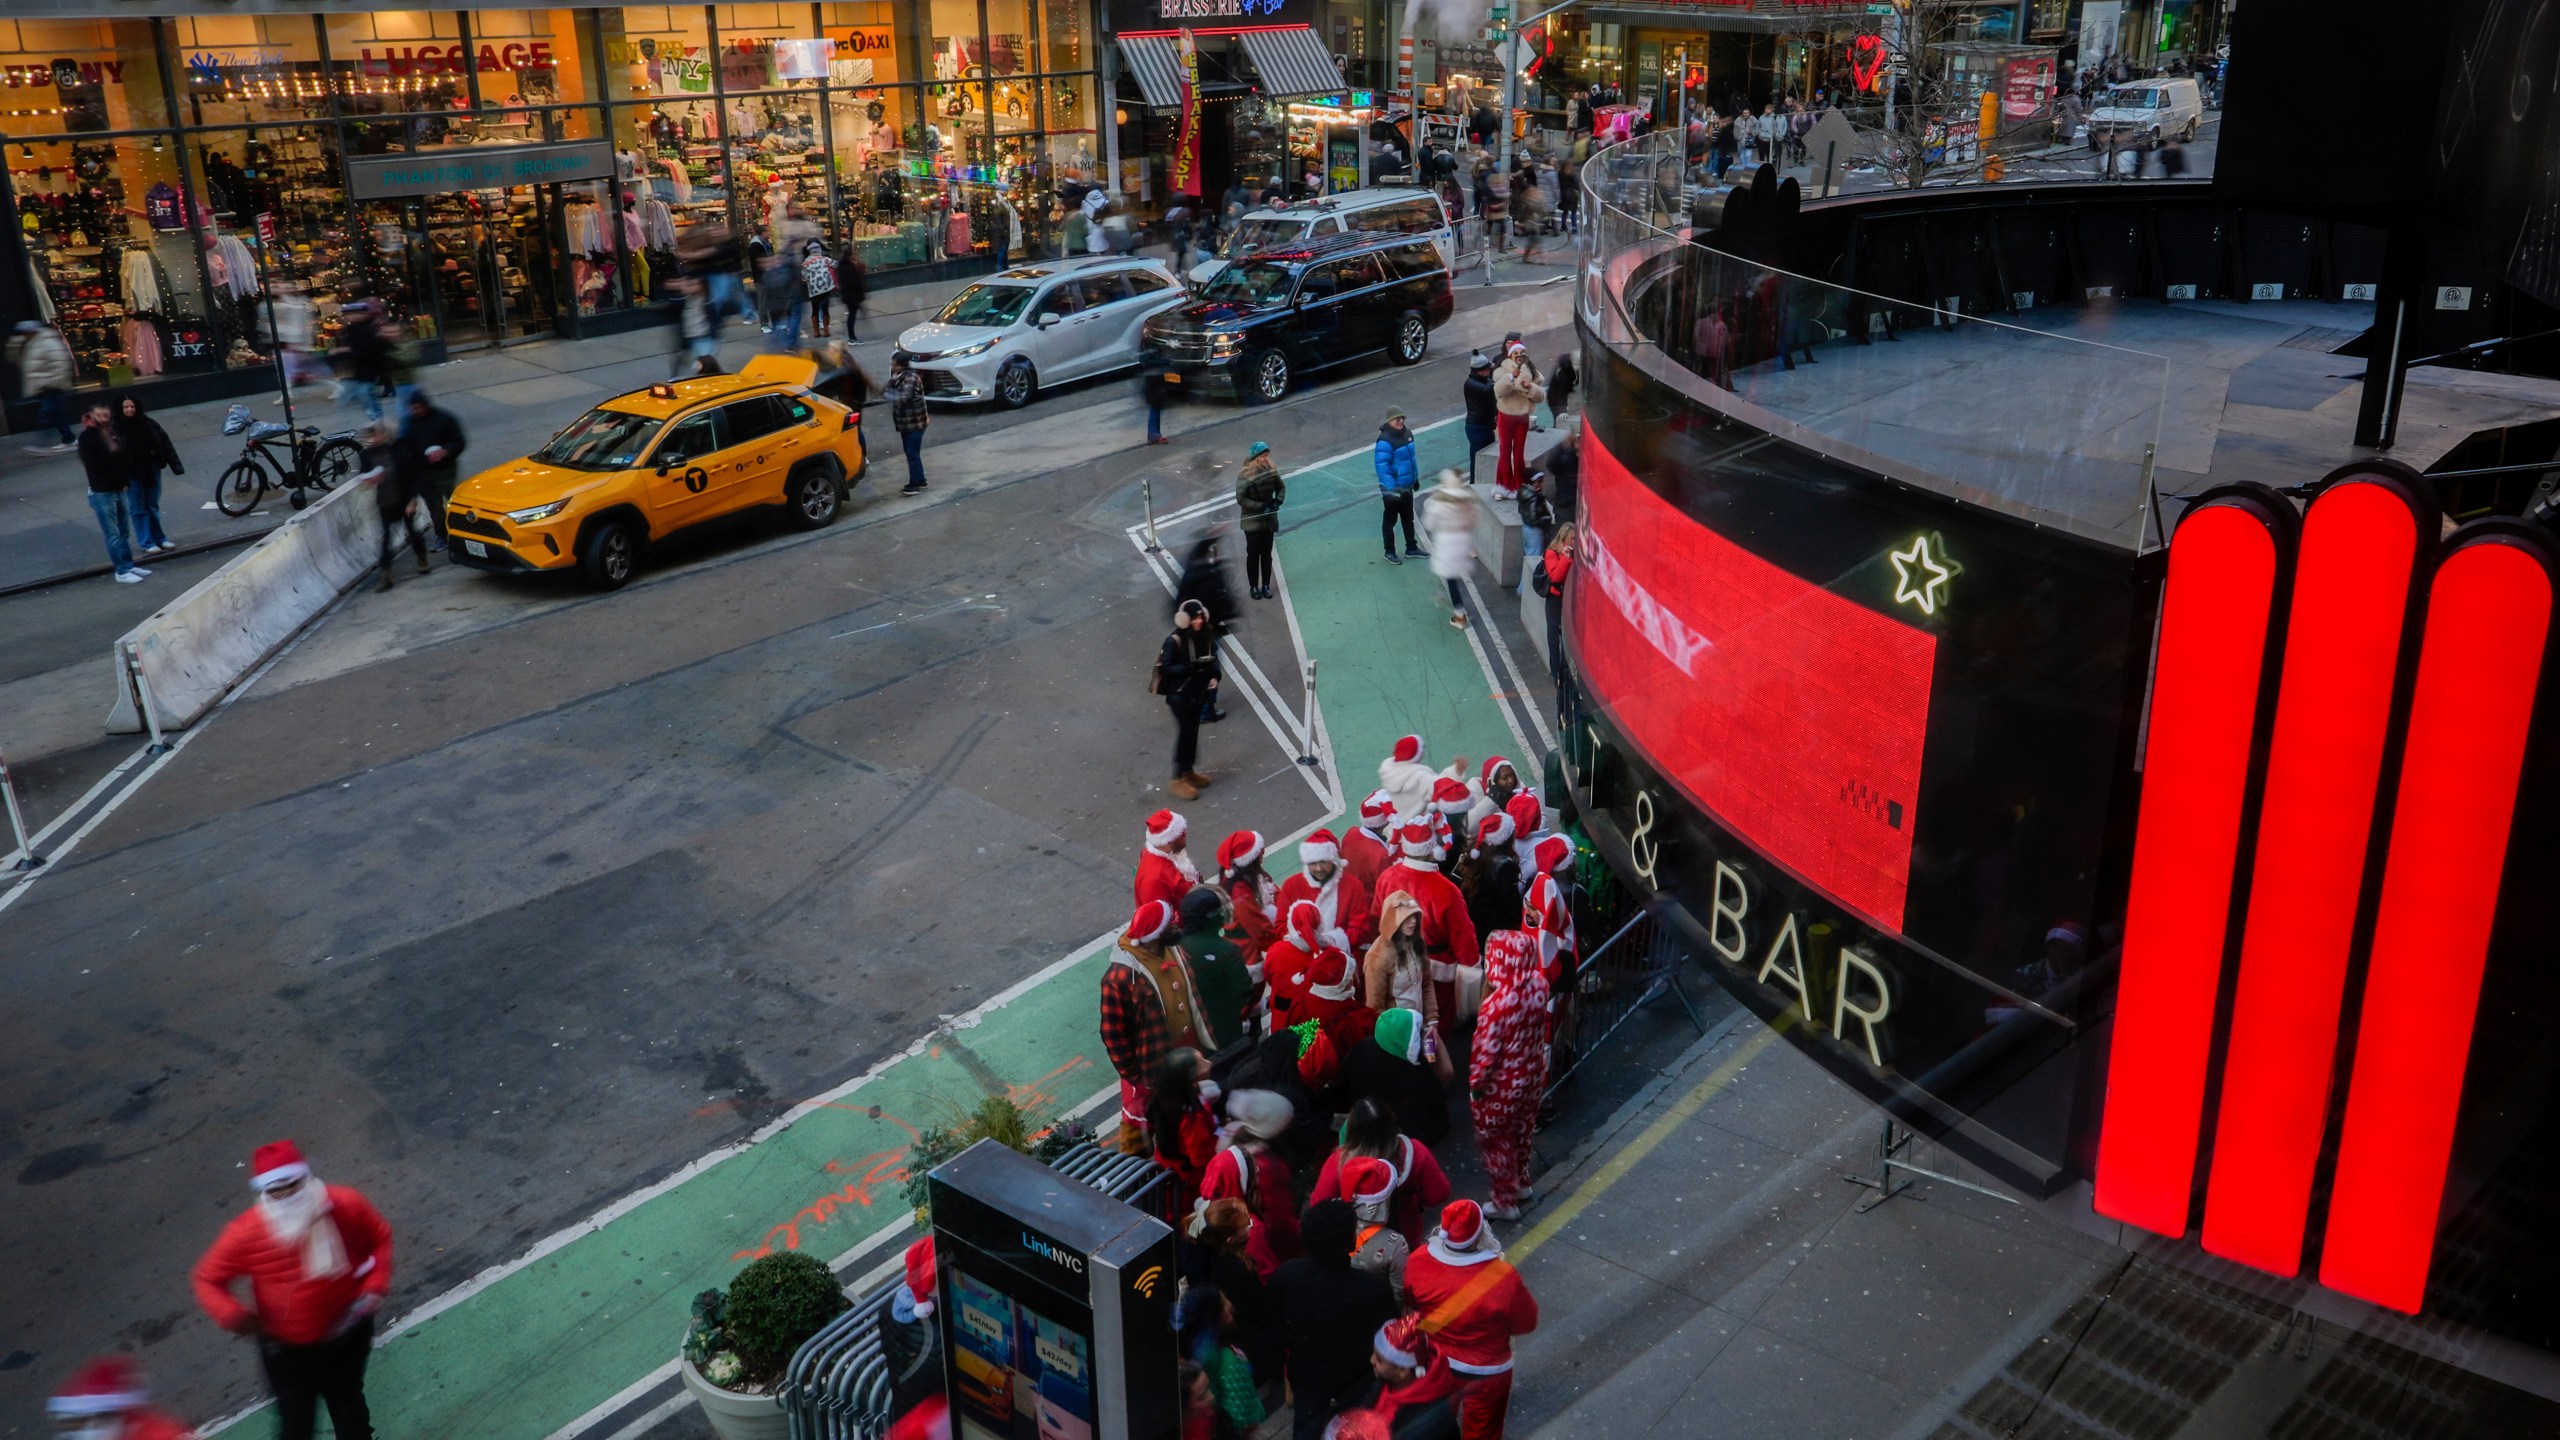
[744, 1339]
[994, 1118]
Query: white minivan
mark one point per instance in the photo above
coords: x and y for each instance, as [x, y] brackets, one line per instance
[1043, 322]
[1388, 210]
[2144, 112]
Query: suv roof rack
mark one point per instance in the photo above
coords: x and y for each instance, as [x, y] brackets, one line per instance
[1320, 246]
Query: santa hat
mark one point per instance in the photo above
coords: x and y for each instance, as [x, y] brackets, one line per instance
[1526, 813]
[1492, 763]
[1265, 1114]
[1305, 919]
[1417, 840]
[1399, 1033]
[1451, 796]
[1551, 853]
[109, 1385]
[1368, 1181]
[1402, 1342]
[1496, 830]
[1462, 1238]
[1239, 850]
[278, 1162]
[1332, 973]
[1319, 849]
[1408, 750]
[1443, 834]
[1152, 920]
[1544, 908]
[1165, 828]
[1378, 810]
[920, 1276]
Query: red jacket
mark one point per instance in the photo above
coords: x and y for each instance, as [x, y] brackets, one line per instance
[1255, 927]
[1352, 912]
[152, 1425]
[1473, 1310]
[1420, 1192]
[1160, 879]
[1272, 1195]
[1448, 936]
[288, 1308]
[1365, 854]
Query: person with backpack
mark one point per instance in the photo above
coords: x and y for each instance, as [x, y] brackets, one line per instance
[818, 279]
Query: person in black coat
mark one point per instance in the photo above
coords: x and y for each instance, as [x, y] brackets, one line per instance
[1187, 677]
[1481, 414]
[1328, 1314]
[394, 470]
[434, 441]
[1560, 383]
[1392, 1069]
[1159, 382]
[146, 452]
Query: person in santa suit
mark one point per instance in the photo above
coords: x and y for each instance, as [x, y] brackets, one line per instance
[1247, 1168]
[1408, 779]
[1369, 846]
[1473, 1305]
[1450, 802]
[318, 1261]
[1490, 876]
[909, 1340]
[1250, 894]
[1165, 871]
[1350, 922]
[1289, 963]
[1548, 917]
[1528, 828]
[1412, 1389]
[1421, 1186]
[1448, 936]
[1149, 1006]
[107, 1399]
[1493, 787]
[1333, 999]
[1507, 1066]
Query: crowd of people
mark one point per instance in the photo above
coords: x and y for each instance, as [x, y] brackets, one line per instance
[1291, 1048]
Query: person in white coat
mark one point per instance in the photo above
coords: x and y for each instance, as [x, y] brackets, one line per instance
[1449, 517]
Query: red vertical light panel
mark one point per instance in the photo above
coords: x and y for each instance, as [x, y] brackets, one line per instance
[2360, 544]
[2488, 620]
[2195, 776]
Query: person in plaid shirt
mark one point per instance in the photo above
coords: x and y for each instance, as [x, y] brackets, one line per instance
[906, 411]
[1149, 1005]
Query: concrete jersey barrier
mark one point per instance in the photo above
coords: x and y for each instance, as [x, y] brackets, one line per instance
[192, 650]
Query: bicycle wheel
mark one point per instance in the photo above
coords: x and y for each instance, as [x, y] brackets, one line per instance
[241, 487]
[338, 460]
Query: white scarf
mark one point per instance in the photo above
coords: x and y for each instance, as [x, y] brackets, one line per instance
[303, 1218]
[1179, 859]
[1328, 903]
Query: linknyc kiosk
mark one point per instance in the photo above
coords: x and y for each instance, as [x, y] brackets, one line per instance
[1056, 1305]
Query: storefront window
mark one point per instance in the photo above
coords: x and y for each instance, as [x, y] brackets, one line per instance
[1064, 28]
[888, 199]
[657, 52]
[295, 175]
[109, 231]
[1009, 38]
[249, 69]
[869, 46]
[70, 77]
[680, 167]
[957, 52]
[771, 47]
[391, 62]
[530, 57]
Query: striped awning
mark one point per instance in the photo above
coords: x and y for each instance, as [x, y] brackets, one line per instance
[1156, 62]
[1292, 62]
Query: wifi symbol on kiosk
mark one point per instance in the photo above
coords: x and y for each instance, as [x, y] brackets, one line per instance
[1145, 1284]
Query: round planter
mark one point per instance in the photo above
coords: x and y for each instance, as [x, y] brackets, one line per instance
[734, 1416]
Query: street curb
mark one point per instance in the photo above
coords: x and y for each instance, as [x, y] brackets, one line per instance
[201, 547]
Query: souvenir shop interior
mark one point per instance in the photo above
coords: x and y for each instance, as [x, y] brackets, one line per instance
[165, 176]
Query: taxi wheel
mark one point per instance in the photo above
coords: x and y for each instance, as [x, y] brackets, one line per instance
[611, 554]
[1016, 385]
[814, 496]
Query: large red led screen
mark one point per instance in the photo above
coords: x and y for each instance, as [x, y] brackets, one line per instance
[1793, 716]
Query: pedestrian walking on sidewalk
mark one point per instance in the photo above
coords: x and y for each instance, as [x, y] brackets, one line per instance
[1517, 391]
[1148, 1008]
[784, 296]
[1481, 413]
[43, 361]
[907, 412]
[147, 452]
[1260, 492]
[105, 458]
[393, 469]
[1449, 518]
[1187, 677]
[318, 1261]
[818, 278]
[1473, 1304]
[107, 1399]
[1393, 456]
[1159, 382]
[434, 441]
[1507, 1064]
[1327, 1310]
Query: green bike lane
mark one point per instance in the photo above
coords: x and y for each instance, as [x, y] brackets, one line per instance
[593, 1315]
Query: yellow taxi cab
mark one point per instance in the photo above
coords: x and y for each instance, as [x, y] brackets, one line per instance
[640, 467]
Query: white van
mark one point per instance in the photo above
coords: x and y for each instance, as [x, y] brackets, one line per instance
[1392, 210]
[2143, 112]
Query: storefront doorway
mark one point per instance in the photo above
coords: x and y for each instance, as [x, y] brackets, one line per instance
[493, 264]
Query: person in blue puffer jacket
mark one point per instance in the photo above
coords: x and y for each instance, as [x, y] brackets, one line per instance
[1398, 477]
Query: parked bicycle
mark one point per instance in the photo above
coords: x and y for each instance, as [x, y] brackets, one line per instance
[310, 463]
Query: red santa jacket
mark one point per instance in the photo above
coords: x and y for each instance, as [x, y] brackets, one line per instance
[1448, 936]
[1365, 852]
[1255, 926]
[1272, 1193]
[1472, 1303]
[1160, 879]
[289, 1308]
[1422, 1187]
[1348, 909]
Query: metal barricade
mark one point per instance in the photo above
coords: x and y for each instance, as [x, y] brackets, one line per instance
[838, 1384]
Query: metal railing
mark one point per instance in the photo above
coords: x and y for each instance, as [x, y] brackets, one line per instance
[838, 1385]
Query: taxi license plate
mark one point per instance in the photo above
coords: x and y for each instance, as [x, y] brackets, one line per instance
[474, 547]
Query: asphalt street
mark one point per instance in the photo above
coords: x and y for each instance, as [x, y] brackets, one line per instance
[507, 899]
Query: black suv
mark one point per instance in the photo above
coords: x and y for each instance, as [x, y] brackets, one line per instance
[1276, 314]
